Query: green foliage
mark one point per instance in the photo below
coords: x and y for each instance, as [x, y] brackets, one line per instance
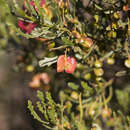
[48, 109]
[73, 85]
[123, 98]
[31, 108]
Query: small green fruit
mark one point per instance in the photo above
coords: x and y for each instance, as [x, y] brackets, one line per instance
[112, 34]
[106, 112]
[98, 64]
[87, 76]
[98, 78]
[116, 15]
[29, 68]
[127, 63]
[98, 71]
[110, 61]
[74, 95]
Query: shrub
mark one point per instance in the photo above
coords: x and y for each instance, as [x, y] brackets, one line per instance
[74, 42]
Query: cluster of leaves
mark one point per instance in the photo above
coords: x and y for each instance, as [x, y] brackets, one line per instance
[91, 114]
[83, 39]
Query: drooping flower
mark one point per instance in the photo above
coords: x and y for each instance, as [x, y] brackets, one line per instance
[66, 63]
[35, 83]
[38, 79]
[61, 63]
[45, 78]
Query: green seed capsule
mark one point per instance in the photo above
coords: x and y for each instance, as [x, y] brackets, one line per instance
[74, 95]
[106, 112]
[116, 15]
[87, 76]
[127, 63]
[110, 61]
[100, 84]
[98, 64]
[68, 104]
[112, 34]
[98, 71]
[29, 68]
[98, 78]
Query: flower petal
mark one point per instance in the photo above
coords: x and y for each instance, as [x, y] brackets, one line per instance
[30, 27]
[70, 65]
[21, 24]
[61, 63]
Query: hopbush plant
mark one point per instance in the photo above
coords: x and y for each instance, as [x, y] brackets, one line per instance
[73, 43]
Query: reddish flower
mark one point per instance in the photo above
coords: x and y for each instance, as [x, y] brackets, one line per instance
[66, 63]
[126, 8]
[35, 83]
[61, 63]
[21, 25]
[45, 78]
[42, 3]
[32, 3]
[38, 79]
[70, 65]
[28, 27]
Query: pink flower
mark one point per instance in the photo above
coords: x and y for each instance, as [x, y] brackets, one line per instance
[39, 79]
[45, 78]
[28, 27]
[66, 63]
[32, 3]
[42, 3]
[21, 25]
[70, 65]
[61, 63]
